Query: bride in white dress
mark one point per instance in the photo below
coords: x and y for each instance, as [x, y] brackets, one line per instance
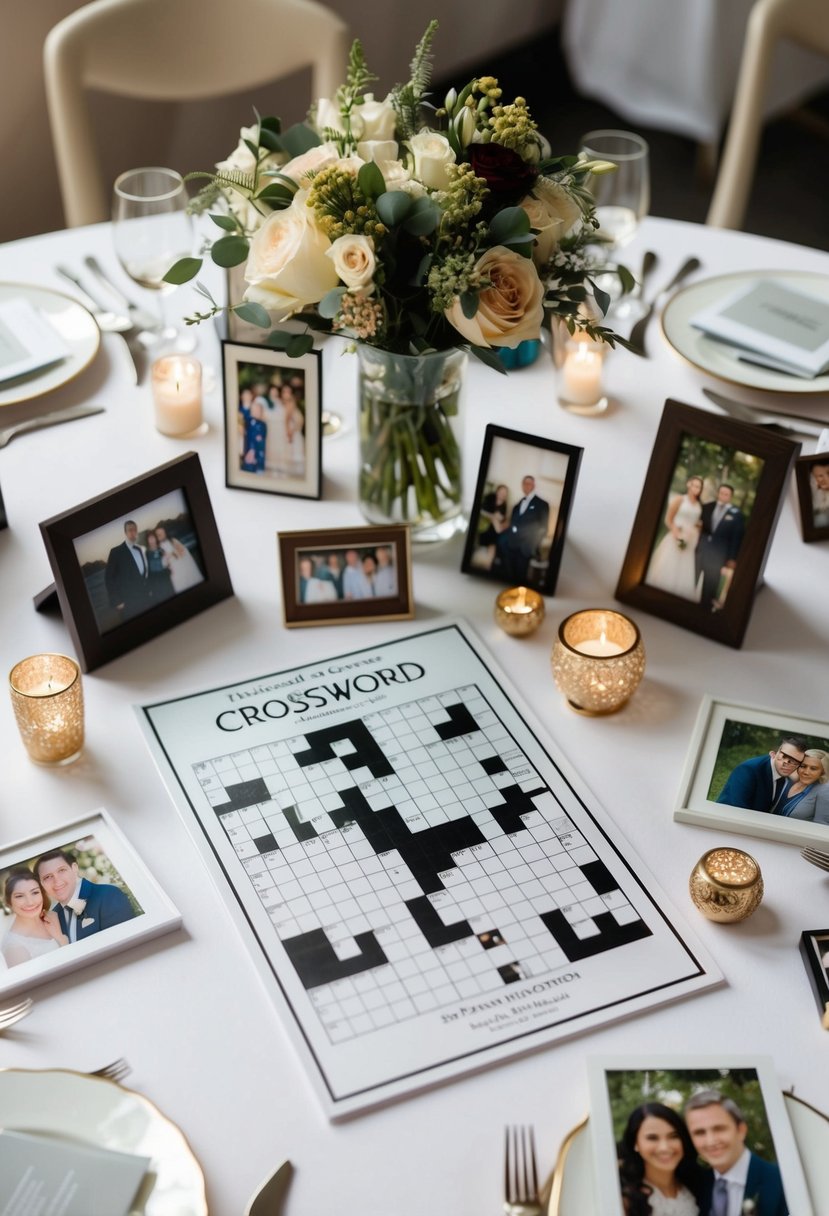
[658, 1171]
[34, 929]
[184, 572]
[672, 566]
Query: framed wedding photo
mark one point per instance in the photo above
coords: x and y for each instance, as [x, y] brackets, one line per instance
[137, 560]
[346, 575]
[761, 772]
[522, 505]
[814, 950]
[673, 1124]
[811, 475]
[273, 420]
[703, 528]
[72, 896]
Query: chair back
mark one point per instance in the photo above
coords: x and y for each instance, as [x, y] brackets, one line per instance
[173, 50]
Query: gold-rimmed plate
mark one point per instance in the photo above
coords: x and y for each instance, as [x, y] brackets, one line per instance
[721, 360]
[75, 326]
[96, 1111]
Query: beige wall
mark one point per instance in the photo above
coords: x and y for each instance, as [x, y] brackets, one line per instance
[133, 133]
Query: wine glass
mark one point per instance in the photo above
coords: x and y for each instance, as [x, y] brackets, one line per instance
[151, 230]
[622, 198]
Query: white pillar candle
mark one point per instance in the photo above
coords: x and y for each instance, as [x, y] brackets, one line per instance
[581, 375]
[177, 395]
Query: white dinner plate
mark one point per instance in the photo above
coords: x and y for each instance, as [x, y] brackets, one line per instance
[76, 327]
[573, 1193]
[96, 1111]
[721, 360]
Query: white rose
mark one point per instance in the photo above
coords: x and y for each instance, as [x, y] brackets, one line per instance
[242, 160]
[328, 117]
[353, 258]
[377, 149]
[432, 153]
[377, 118]
[553, 211]
[311, 161]
[397, 177]
[287, 268]
[511, 309]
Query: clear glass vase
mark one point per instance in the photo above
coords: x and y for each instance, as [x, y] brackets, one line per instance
[410, 440]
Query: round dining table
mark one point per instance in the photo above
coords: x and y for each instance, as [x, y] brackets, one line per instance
[204, 1036]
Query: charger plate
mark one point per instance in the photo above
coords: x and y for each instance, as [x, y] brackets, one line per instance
[96, 1111]
[573, 1191]
[76, 327]
[719, 359]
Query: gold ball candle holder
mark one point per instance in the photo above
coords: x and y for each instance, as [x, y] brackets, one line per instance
[726, 885]
[47, 697]
[598, 661]
[519, 611]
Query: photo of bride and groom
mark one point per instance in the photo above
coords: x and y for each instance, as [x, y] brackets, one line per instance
[707, 511]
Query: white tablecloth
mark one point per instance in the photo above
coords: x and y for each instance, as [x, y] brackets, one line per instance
[203, 1038]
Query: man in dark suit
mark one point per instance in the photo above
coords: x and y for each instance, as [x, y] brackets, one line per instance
[737, 1176]
[83, 907]
[758, 784]
[521, 538]
[126, 575]
[723, 526]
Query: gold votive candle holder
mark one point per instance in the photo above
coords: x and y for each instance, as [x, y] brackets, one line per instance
[519, 611]
[598, 661]
[47, 697]
[726, 885]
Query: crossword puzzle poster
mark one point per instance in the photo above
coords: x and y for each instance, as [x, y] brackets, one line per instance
[412, 868]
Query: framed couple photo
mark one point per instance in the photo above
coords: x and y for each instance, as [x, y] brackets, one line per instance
[705, 521]
[812, 479]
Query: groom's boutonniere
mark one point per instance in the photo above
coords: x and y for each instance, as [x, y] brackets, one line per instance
[77, 906]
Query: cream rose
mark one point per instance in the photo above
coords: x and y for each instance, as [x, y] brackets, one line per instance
[287, 267]
[377, 149]
[510, 310]
[354, 261]
[432, 154]
[397, 177]
[311, 161]
[328, 117]
[377, 118]
[553, 211]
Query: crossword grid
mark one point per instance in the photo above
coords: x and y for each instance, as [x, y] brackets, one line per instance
[413, 858]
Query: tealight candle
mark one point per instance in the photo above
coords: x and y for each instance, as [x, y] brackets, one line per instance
[177, 395]
[47, 697]
[726, 885]
[598, 660]
[519, 611]
[580, 389]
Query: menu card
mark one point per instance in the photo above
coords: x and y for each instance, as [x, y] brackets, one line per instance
[41, 1176]
[775, 325]
[28, 342]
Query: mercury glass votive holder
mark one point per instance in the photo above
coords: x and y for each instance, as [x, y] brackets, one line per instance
[47, 697]
[726, 885]
[519, 611]
[598, 661]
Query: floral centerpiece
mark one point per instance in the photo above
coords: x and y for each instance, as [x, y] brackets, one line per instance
[420, 242]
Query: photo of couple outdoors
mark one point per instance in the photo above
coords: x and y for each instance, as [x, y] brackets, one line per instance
[63, 896]
[136, 562]
[704, 520]
[819, 486]
[271, 420]
[778, 772]
[343, 574]
[694, 1143]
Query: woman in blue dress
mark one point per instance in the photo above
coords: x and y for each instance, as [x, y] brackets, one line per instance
[256, 440]
[799, 800]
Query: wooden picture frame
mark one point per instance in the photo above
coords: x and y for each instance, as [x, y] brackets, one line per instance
[502, 542]
[91, 579]
[4, 519]
[272, 445]
[723, 575]
[318, 593]
[814, 950]
[813, 499]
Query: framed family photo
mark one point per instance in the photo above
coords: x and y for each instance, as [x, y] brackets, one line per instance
[710, 1133]
[758, 771]
[273, 420]
[72, 896]
[522, 504]
[814, 950]
[812, 479]
[703, 528]
[137, 560]
[346, 575]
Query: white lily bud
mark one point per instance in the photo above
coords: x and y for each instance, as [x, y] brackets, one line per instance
[465, 126]
[449, 103]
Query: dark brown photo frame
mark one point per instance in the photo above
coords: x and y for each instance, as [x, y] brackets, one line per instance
[541, 571]
[803, 477]
[814, 947]
[777, 453]
[293, 546]
[95, 647]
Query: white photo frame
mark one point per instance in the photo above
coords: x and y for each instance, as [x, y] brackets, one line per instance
[687, 1075]
[693, 804]
[94, 837]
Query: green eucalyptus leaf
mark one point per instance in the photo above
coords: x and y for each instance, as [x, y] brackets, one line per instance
[489, 357]
[183, 271]
[626, 279]
[225, 221]
[509, 224]
[279, 339]
[269, 139]
[255, 314]
[275, 193]
[469, 304]
[252, 148]
[329, 305]
[298, 139]
[270, 123]
[230, 251]
[393, 206]
[299, 345]
[371, 180]
[601, 297]
[423, 218]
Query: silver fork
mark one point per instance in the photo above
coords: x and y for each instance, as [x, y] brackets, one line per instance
[520, 1173]
[13, 1013]
[816, 857]
[116, 1071]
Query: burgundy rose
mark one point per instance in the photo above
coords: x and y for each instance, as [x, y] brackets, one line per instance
[508, 176]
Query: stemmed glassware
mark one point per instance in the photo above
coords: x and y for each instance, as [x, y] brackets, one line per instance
[622, 198]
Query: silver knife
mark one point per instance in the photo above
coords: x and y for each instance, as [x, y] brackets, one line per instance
[268, 1199]
[111, 323]
[760, 417]
[53, 419]
[637, 334]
